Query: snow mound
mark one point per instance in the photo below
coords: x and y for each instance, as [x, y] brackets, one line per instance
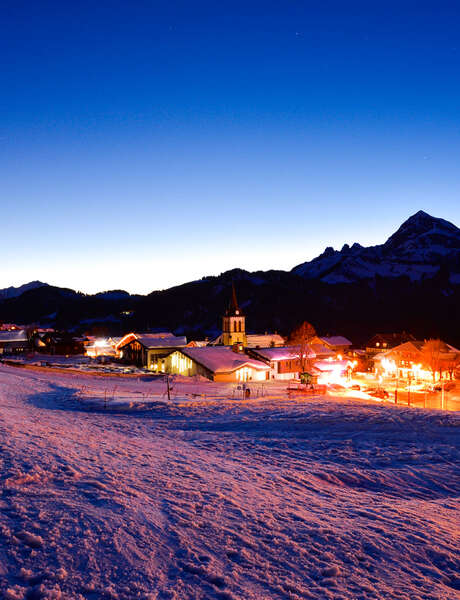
[323, 498]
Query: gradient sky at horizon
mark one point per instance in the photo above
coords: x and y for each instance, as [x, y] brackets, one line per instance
[145, 144]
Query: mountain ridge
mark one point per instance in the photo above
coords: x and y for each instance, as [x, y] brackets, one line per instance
[420, 246]
[14, 292]
[410, 282]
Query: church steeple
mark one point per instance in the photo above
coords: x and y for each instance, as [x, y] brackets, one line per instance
[233, 323]
[233, 307]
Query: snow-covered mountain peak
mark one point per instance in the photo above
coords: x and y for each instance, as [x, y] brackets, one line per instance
[14, 292]
[417, 250]
[422, 230]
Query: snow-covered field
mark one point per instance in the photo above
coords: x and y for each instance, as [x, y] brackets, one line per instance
[222, 499]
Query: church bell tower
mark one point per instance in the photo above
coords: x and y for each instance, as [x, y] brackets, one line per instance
[233, 323]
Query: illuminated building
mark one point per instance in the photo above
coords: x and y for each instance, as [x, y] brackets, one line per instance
[14, 341]
[284, 361]
[381, 342]
[217, 363]
[335, 343]
[414, 361]
[102, 346]
[233, 324]
[149, 350]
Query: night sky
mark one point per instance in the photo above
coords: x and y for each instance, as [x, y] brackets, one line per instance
[145, 144]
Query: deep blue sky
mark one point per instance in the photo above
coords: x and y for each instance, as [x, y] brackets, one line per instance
[144, 144]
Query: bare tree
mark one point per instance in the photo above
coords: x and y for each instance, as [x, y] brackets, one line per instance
[431, 356]
[451, 364]
[301, 337]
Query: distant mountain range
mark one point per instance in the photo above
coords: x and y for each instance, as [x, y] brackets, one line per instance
[410, 282]
[14, 292]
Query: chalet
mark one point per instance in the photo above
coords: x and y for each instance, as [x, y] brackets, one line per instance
[335, 343]
[55, 342]
[216, 363]
[381, 342]
[14, 341]
[322, 351]
[149, 350]
[418, 360]
[284, 362]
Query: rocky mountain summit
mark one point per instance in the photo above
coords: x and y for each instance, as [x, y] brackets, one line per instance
[418, 250]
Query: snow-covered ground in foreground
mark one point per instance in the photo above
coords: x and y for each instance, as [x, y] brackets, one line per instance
[223, 499]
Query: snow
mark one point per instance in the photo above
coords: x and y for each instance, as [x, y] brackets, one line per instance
[321, 350]
[335, 340]
[325, 498]
[416, 251]
[263, 340]
[18, 335]
[283, 353]
[155, 340]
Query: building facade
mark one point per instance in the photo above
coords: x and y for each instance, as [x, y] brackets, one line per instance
[381, 342]
[216, 363]
[14, 342]
[149, 350]
[336, 343]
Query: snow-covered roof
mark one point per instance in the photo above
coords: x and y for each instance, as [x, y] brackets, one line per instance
[321, 350]
[197, 343]
[282, 353]
[222, 359]
[263, 340]
[155, 341]
[163, 339]
[335, 340]
[445, 350]
[13, 336]
[391, 339]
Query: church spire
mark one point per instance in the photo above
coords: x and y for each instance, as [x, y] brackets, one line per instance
[233, 323]
[233, 308]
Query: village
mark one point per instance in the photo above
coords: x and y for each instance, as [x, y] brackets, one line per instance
[391, 366]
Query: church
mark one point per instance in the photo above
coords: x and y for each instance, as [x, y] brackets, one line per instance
[234, 330]
[233, 324]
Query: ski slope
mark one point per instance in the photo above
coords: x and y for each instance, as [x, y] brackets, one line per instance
[222, 499]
